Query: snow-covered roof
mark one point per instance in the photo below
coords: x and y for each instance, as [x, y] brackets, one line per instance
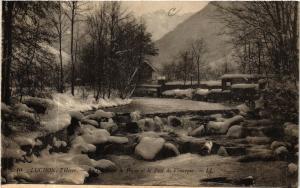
[151, 66]
[245, 76]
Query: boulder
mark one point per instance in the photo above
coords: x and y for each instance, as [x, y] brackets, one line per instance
[235, 131]
[174, 121]
[90, 122]
[292, 169]
[76, 115]
[106, 165]
[102, 114]
[135, 116]
[198, 132]
[40, 105]
[281, 152]
[222, 151]
[206, 148]
[214, 127]
[243, 108]
[5, 109]
[275, 144]
[158, 122]
[149, 147]
[291, 132]
[110, 126]
[148, 124]
[118, 140]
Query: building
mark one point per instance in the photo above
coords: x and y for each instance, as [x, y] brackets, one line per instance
[148, 73]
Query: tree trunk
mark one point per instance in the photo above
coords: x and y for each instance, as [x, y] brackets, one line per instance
[7, 51]
[72, 55]
[198, 72]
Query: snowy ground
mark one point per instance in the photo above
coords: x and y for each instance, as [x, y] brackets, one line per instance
[161, 105]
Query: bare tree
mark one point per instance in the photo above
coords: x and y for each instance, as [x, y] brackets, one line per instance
[198, 49]
[61, 26]
[7, 13]
[76, 8]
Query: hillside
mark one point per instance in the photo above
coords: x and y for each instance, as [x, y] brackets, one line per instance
[200, 25]
[159, 23]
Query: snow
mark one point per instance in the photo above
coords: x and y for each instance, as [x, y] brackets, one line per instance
[76, 103]
[243, 108]
[149, 147]
[118, 139]
[222, 127]
[55, 163]
[232, 76]
[10, 149]
[212, 83]
[185, 93]
[244, 86]
[202, 91]
[135, 116]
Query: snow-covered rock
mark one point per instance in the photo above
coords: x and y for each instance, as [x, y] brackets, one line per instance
[243, 108]
[222, 127]
[5, 108]
[275, 144]
[117, 139]
[135, 116]
[207, 147]
[159, 124]
[99, 114]
[76, 115]
[200, 131]
[106, 165]
[89, 121]
[110, 126]
[149, 147]
[10, 149]
[93, 135]
[59, 143]
[281, 151]
[78, 164]
[292, 169]
[291, 131]
[40, 105]
[236, 131]
[222, 151]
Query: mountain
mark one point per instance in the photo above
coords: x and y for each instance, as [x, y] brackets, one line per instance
[200, 25]
[159, 22]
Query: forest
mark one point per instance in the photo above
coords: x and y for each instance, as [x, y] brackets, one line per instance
[107, 47]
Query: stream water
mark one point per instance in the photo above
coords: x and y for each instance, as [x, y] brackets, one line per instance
[189, 168]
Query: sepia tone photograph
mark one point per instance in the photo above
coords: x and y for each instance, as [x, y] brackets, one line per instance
[150, 93]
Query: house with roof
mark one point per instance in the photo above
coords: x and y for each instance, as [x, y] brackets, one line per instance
[148, 73]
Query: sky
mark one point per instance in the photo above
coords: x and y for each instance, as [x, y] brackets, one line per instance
[143, 7]
[162, 17]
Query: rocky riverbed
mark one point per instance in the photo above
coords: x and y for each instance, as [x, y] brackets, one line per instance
[227, 147]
